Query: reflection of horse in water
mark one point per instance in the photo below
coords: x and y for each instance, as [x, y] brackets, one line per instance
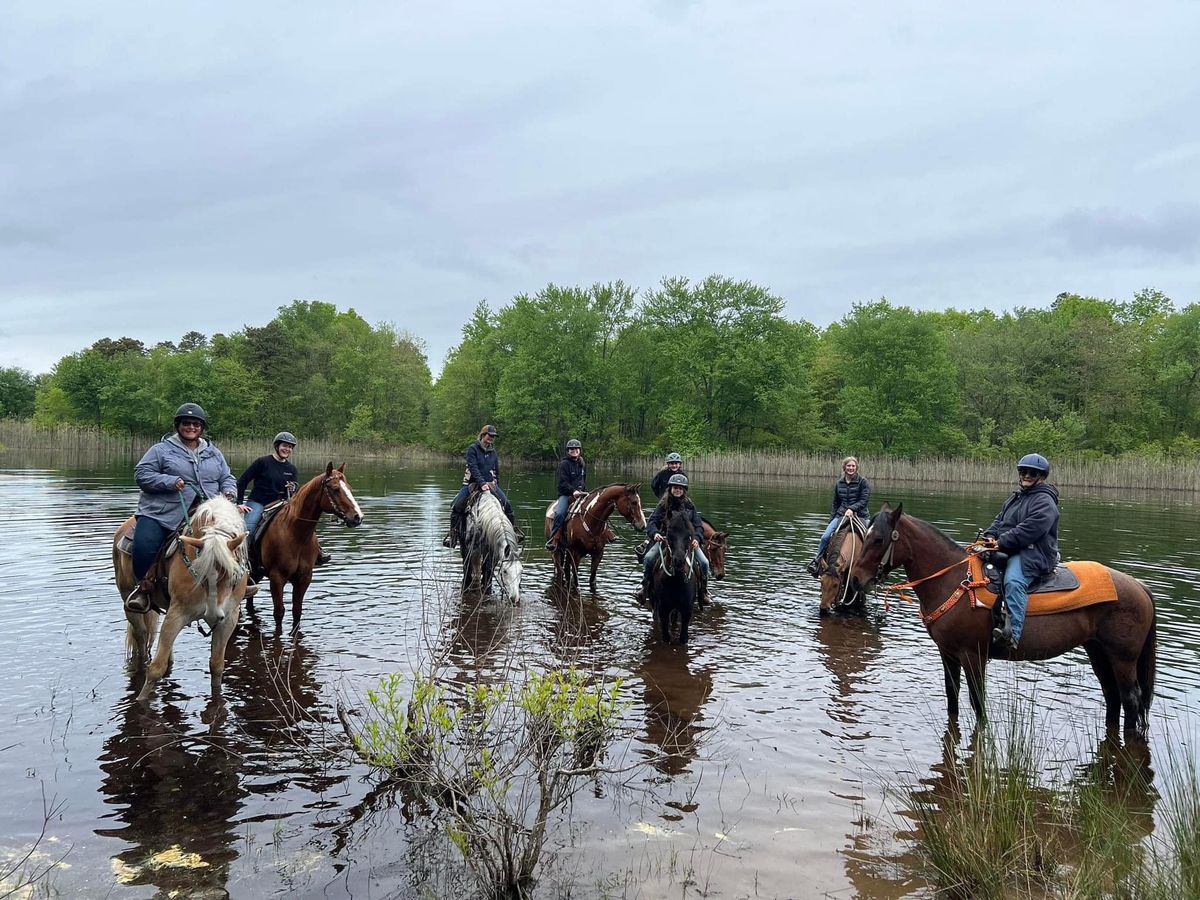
[175, 798]
[585, 530]
[490, 550]
[206, 580]
[848, 646]
[843, 551]
[673, 697]
[1118, 635]
[288, 545]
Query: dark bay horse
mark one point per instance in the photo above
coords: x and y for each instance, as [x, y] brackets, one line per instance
[206, 579]
[1118, 636]
[585, 531]
[288, 547]
[672, 585]
[844, 549]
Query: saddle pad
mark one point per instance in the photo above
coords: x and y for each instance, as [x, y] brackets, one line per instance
[1095, 586]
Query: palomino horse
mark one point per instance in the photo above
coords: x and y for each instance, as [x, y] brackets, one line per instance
[672, 585]
[207, 585]
[585, 530]
[288, 547]
[1118, 636]
[844, 549]
[490, 550]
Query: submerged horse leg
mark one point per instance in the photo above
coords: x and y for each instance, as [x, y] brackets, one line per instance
[221, 635]
[597, 555]
[952, 672]
[299, 588]
[172, 625]
[976, 665]
[1125, 674]
[1108, 684]
[278, 581]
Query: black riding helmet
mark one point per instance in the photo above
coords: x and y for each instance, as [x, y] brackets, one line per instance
[284, 437]
[191, 411]
[678, 480]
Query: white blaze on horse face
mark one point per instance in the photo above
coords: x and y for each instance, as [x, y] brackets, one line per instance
[345, 489]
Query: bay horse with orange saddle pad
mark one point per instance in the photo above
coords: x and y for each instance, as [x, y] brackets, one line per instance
[286, 549]
[206, 579]
[585, 530]
[1111, 615]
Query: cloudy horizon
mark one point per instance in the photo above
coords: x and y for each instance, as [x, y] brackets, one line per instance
[168, 169]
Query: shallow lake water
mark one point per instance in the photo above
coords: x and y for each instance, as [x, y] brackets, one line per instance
[758, 754]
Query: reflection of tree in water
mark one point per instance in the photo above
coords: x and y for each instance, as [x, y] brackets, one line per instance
[673, 698]
[177, 794]
[848, 646]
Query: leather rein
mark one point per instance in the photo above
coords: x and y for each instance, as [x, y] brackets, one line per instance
[966, 587]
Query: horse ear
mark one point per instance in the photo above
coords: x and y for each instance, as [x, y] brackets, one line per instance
[234, 543]
[899, 513]
[329, 468]
[194, 543]
[342, 468]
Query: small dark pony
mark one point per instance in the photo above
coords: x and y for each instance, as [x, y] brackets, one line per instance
[672, 585]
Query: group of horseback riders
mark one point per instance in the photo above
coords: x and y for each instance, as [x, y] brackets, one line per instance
[183, 468]
[1024, 534]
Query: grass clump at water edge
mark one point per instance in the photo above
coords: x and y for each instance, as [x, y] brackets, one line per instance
[990, 826]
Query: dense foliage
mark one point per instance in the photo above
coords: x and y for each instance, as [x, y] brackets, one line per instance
[687, 366]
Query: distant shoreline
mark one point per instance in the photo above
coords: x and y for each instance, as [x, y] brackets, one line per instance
[1124, 473]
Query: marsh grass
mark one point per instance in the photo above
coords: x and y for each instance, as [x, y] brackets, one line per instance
[991, 825]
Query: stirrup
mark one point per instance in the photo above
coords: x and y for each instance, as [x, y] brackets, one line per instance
[137, 602]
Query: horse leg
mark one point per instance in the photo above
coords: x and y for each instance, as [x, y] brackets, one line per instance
[172, 625]
[976, 666]
[221, 635]
[1108, 684]
[597, 555]
[685, 616]
[1125, 673]
[299, 588]
[277, 584]
[952, 672]
[139, 635]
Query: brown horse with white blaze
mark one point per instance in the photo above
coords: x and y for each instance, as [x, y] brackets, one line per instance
[1119, 635]
[206, 579]
[585, 531]
[288, 547]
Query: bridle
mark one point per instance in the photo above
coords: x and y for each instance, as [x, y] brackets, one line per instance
[333, 501]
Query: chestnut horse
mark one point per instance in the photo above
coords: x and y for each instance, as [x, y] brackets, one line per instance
[844, 549]
[1118, 636]
[208, 584]
[288, 546]
[585, 531]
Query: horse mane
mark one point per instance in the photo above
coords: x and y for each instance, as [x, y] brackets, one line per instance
[216, 522]
[932, 530]
[493, 523]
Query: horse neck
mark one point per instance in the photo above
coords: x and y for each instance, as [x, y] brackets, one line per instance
[305, 507]
[602, 508]
[927, 552]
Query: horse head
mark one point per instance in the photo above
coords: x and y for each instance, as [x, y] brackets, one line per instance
[629, 505]
[337, 498]
[879, 552]
[677, 549]
[508, 572]
[714, 549]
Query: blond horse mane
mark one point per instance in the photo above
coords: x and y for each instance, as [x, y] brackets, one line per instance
[215, 523]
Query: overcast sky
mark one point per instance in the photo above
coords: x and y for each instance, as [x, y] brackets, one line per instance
[168, 167]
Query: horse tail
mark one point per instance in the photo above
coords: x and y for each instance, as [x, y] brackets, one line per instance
[1147, 664]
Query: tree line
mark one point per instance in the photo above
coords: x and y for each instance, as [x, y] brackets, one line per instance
[690, 366]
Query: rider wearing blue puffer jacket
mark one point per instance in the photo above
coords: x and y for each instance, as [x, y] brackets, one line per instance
[1027, 530]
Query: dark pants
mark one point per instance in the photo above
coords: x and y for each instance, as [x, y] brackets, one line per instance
[459, 507]
[147, 538]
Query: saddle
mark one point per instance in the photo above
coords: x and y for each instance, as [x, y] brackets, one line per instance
[159, 598]
[1070, 586]
[269, 513]
[857, 525]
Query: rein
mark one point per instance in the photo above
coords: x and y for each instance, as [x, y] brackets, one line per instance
[966, 587]
[336, 511]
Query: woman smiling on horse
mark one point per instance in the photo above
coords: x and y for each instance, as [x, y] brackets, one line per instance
[676, 497]
[275, 478]
[178, 469]
[851, 496]
[483, 473]
[571, 484]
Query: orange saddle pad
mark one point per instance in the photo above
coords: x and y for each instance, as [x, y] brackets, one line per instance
[1095, 586]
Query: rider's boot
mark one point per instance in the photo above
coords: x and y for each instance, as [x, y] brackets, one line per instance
[1002, 635]
[642, 597]
[452, 536]
[322, 557]
[815, 567]
[702, 592]
[640, 552]
[138, 600]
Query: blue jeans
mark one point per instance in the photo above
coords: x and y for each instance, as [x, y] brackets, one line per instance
[560, 512]
[829, 530]
[699, 560]
[147, 538]
[252, 517]
[1016, 594]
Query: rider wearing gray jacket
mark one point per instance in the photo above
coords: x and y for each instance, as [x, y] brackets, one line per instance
[174, 472]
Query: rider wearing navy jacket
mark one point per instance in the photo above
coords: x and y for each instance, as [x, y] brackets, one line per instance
[483, 470]
[851, 496]
[1026, 529]
[674, 466]
[676, 496]
[571, 478]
